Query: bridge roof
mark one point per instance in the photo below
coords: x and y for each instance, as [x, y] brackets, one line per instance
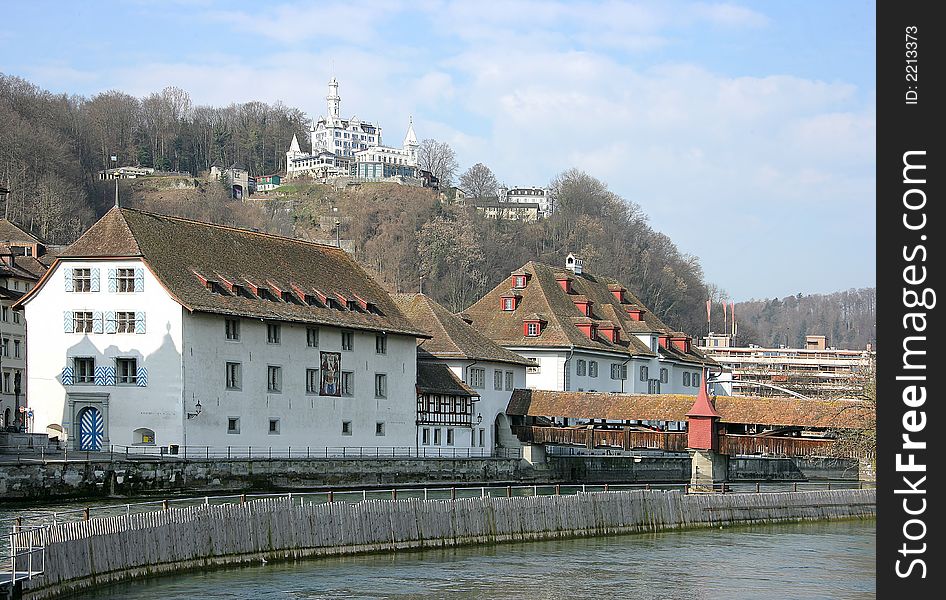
[833, 414]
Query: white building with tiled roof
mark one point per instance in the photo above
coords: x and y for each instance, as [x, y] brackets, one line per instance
[491, 371]
[159, 331]
[585, 332]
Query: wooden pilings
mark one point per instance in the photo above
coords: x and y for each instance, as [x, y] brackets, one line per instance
[129, 545]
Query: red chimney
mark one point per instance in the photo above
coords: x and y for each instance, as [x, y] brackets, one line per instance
[701, 421]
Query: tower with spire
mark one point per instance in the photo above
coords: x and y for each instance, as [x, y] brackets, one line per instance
[333, 99]
[410, 140]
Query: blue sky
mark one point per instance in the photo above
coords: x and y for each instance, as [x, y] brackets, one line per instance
[744, 130]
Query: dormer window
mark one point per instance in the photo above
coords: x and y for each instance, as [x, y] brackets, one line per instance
[618, 292]
[584, 305]
[519, 281]
[635, 313]
[509, 301]
[565, 282]
[532, 326]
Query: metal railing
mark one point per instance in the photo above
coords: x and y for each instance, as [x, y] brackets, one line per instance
[179, 452]
[26, 562]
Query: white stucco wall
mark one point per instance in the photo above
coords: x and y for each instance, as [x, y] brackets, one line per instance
[492, 402]
[125, 407]
[305, 419]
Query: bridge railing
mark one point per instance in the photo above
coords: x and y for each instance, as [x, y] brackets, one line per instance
[624, 439]
[627, 439]
[776, 446]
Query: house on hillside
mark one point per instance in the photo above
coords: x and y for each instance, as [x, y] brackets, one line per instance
[268, 182]
[488, 369]
[157, 330]
[240, 183]
[586, 332]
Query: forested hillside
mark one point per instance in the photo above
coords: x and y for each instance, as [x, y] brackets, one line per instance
[847, 318]
[52, 145]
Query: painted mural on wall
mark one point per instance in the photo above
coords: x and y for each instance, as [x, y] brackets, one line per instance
[331, 374]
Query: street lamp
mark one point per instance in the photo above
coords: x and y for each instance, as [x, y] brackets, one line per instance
[199, 408]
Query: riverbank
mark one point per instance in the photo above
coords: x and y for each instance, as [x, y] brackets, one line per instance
[91, 553]
[102, 475]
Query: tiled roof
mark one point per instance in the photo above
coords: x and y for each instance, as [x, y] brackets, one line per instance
[545, 296]
[10, 232]
[180, 252]
[437, 378]
[840, 414]
[451, 336]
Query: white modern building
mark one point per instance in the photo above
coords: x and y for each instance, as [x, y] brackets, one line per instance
[484, 368]
[155, 330]
[584, 332]
[350, 147]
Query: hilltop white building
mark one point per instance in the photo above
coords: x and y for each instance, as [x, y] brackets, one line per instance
[350, 147]
[155, 330]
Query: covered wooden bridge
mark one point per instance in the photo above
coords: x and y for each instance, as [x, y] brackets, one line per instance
[746, 425]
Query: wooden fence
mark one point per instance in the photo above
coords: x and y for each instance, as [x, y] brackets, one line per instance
[87, 553]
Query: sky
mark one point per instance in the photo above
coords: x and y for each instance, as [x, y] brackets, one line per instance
[744, 130]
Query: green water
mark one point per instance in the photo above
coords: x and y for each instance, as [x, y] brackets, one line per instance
[829, 560]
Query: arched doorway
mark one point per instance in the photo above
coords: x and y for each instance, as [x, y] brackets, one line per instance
[91, 429]
[7, 417]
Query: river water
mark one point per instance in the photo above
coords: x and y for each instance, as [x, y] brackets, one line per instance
[824, 560]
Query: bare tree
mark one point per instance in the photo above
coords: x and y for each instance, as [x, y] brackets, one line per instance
[479, 182]
[439, 159]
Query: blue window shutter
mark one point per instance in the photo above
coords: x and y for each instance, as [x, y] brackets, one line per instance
[140, 322]
[68, 324]
[112, 285]
[142, 378]
[100, 375]
[67, 277]
[97, 322]
[109, 375]
[110, 321]
[139, 279]
[95, 280]
[67, 376]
